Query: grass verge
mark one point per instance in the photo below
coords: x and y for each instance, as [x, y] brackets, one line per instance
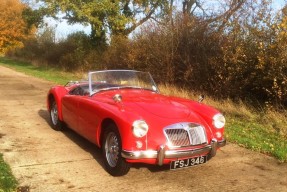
[50, 74]
[7, 180]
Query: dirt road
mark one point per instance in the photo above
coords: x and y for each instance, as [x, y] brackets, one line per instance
[49, 161]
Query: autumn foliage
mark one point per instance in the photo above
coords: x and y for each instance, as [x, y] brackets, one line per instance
[13, 29]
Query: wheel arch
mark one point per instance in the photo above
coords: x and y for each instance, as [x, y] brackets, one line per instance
[56, 94]
[115, 164]
[51, 98]
[105, 123]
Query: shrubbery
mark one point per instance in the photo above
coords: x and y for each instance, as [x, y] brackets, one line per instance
[246, 60]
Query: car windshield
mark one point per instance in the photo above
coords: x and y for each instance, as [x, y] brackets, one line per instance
[119, 79]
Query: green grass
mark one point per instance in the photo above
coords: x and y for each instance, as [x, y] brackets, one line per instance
[7, 180]
[51, 74]
[260, 129]
[257, 137]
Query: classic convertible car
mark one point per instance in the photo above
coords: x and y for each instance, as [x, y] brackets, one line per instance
[123, 113]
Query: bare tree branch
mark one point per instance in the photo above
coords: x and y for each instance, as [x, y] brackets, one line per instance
[147, 17]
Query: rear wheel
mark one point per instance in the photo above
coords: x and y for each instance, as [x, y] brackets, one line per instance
[115, 164]
[57, 124]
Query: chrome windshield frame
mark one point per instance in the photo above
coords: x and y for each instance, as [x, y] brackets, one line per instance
[153, 88]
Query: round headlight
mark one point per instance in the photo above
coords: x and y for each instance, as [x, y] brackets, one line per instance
[218, 121]
[140, 128]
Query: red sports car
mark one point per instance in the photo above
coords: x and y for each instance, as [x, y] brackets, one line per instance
[123, 113]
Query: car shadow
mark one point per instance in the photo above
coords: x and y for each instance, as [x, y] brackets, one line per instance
[86, 145]
[94, 150]
[76, 138]
[45, 115]
[152, 168]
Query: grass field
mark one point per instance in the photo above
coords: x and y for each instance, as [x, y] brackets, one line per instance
[259, 129]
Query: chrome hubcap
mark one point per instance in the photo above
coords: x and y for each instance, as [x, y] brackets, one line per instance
[112, 149]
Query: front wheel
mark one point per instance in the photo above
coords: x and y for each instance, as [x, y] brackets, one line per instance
[57, 124]
[115, 164]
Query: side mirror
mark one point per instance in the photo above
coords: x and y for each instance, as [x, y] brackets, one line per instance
[201, 98]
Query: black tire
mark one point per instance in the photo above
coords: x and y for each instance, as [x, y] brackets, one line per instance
[56, 123]
[115, 164]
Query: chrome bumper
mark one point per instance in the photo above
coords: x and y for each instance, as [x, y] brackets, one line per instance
[162, 153]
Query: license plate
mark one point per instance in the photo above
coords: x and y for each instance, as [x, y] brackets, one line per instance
[182, 163]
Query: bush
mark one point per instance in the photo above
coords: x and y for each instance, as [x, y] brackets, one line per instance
[244, 59]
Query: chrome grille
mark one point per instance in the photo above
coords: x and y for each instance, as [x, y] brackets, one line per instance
[197, 135]
[185, 134]
[178, 137]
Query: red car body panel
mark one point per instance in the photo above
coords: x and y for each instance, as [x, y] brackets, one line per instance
[87, 114]
[84, 114]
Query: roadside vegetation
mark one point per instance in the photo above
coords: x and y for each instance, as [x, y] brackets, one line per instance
[8, 182]
[236, 49]
[261, 129]
[227, 49]
[51, 74]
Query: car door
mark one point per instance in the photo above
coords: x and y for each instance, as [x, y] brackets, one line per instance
[70, 114]
[89, 117]
[80, 113]
[70, 108]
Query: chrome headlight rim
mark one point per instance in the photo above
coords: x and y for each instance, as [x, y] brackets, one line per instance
[140, 128]
[218, 121]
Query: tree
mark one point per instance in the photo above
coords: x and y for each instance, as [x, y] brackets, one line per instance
[106, 17]
[13, 29]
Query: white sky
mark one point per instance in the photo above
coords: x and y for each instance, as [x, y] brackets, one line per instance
[63, 28]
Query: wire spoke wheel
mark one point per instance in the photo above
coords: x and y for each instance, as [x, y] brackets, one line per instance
[54, 114]
[115, 164]
[56, 123]
[112, 149]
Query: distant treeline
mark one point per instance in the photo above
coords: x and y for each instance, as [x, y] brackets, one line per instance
[242, 56]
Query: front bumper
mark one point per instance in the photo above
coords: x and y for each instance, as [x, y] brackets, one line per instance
[163, 153]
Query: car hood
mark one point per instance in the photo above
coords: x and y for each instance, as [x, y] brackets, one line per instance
[150, 102]
[164, 107]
